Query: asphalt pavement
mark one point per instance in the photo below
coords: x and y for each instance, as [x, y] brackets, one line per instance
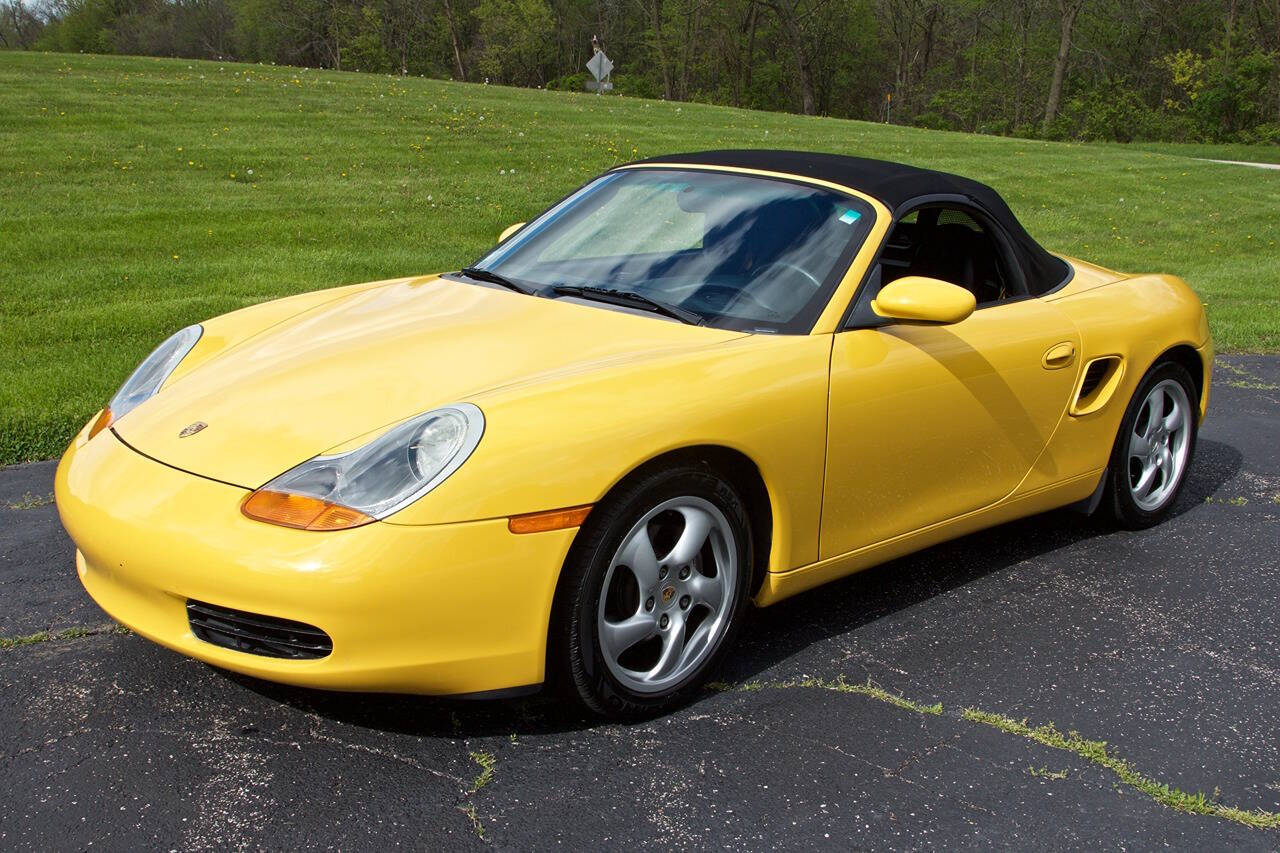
[1162, 643]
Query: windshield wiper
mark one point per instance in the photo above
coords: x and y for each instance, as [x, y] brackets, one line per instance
[629, 300]
[495, 278]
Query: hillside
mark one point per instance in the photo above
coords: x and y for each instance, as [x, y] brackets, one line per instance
[139, 195]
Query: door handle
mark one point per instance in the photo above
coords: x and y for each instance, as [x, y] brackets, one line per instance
[1059, 355]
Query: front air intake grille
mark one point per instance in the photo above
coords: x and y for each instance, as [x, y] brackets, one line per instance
[1093, 377]
[256, 634]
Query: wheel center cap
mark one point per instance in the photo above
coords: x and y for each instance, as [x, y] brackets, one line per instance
[668, 593]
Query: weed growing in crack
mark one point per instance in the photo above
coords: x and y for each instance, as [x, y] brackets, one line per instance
[64, 634]
[839, 685]
[476, 825]
[1046, 773]
[30, 501]
[487, 763]
[1096, 752]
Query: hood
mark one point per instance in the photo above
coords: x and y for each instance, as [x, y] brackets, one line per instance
[358, 364]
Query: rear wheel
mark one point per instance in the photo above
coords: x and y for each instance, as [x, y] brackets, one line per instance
[653, 592]
[1154, 448]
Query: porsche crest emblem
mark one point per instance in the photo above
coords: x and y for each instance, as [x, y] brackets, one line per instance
[192, 429]
[668, 593]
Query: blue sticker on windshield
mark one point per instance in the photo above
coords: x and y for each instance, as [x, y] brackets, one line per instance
[850, 216]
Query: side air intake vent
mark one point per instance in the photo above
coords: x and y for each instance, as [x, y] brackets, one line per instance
[1093, 377]
[1101, 378]
[255, 634]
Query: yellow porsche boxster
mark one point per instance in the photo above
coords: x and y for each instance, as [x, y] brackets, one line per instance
[697, 382]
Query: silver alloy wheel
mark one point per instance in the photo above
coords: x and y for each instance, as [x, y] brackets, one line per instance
[1159, 445]
[668, 594]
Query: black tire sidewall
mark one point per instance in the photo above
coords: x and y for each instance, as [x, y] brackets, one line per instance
[1124, 509]
[580, 658]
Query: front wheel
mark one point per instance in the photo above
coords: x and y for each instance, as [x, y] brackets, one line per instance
[1154, 448]
[653, 592]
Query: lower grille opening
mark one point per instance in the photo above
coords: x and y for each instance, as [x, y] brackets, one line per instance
[255, 634]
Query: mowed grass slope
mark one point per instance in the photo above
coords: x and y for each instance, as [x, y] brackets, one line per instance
[139, 195]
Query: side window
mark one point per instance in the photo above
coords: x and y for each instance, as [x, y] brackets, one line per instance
[948, 243]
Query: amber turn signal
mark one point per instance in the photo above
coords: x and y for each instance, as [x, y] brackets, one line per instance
[103, 421]
[554, 519]
[301, 512]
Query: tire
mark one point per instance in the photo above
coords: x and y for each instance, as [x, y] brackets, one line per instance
[1141, 491]
[635, 631]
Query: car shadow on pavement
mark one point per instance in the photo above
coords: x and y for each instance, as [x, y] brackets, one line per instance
[770, 636]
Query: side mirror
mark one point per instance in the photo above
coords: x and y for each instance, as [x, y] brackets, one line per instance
[923, 300]
[508, 231]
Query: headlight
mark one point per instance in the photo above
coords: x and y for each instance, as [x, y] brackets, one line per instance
[144, 382]
[349, 489]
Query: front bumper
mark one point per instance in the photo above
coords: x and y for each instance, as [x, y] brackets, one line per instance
[437, 609]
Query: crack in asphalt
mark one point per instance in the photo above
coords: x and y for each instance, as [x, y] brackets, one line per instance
[1092, 751]
[1159, 626]
[48, 742]
[917, 757]
[888, 772]
[389, 755]
[1257, 819]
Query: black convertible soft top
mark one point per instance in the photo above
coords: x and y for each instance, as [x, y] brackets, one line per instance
[898, 186]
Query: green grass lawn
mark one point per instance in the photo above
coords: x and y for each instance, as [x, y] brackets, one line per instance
[1225, 151]
[139, 195]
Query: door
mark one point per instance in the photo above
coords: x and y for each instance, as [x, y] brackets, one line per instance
[929, 422]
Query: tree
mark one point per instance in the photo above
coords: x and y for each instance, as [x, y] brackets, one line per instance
[20, 27]
[511, 36]
[453, 39]
[1182, 70]
[796, 17]
[1067, 11]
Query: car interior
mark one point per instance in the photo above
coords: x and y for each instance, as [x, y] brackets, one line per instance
[948, 243]
[763, 264]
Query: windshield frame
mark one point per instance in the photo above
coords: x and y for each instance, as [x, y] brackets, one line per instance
[802, 323]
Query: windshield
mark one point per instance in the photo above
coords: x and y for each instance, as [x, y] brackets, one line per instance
[740, 252]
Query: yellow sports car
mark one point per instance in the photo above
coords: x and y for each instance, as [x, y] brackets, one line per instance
[696, 382]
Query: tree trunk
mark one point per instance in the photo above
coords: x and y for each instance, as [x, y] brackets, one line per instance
[799, 45]
[691, 42]
[1020, 72]
[931, 20]
[453, 35]
[902, 23]
[1069, 10]
[655, 12]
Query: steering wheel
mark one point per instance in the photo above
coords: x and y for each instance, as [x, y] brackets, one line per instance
[787, 265]
[772, 275]
[733, 295]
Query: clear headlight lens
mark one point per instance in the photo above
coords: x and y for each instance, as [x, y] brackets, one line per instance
[373, 481]
[146, 380]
